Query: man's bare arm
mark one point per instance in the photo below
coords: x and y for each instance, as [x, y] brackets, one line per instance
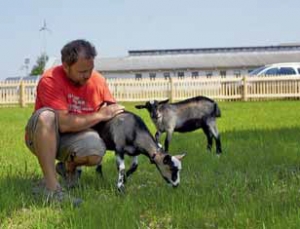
[74, 123]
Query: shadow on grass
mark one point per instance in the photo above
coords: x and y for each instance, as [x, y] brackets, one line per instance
[253, 162]
[247, 155]
[15, 192]
[16, 187]
[236, 141]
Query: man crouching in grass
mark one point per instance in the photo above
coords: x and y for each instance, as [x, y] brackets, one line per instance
[67, 105]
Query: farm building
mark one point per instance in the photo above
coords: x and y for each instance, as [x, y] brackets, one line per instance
[198, 62]
[180, 63]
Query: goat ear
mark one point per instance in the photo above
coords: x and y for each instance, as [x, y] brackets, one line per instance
[167, 159]
[140, 106]
[164, 101]
[180, 157]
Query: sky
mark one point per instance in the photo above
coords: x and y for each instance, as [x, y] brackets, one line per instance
[116, 26]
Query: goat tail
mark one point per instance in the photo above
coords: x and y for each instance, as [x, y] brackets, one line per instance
[217, 111]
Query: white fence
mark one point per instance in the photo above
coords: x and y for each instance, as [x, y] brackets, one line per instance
[230, 89]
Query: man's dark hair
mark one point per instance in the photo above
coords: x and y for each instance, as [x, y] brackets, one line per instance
[70, 52]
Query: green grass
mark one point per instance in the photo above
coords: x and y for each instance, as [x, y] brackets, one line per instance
[254, 184]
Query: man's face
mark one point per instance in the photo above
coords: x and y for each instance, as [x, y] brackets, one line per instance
[80, 72]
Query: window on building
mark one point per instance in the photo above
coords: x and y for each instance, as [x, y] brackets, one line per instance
[180, 74]
[208, 74]
[138, 76]
[195, 74]
[152, 75]
[167, 75]
[237, 73]
[223, 73]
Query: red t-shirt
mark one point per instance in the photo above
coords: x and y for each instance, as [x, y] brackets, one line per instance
[55, 90]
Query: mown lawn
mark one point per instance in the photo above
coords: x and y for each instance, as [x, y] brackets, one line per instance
[254, 184]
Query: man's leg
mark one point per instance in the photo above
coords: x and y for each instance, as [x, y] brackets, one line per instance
[45, 144]
[42, 129]
[84, 148]
[42, 139]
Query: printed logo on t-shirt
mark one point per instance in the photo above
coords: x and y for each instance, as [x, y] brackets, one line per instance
[78, 105]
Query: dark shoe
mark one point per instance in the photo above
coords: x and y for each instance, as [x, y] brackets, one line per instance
[71, 180]
[57, 196]
[38, 187]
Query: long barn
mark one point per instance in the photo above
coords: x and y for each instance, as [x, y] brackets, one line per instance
[199, 62]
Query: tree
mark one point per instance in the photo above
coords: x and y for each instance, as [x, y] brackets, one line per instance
[38, 68]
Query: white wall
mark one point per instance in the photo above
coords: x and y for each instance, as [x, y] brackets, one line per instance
[174, 74]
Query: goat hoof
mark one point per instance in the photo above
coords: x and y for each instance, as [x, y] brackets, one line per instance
[208, 149]
[121, 189]
[99, 170]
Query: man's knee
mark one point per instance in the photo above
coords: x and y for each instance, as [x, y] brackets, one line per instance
[92, 155]
[90, 160]
[47, 119]
[42, 121]
[94, 160]
[82, 145]
[91, 145]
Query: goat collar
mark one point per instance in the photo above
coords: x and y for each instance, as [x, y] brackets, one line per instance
[152, 158]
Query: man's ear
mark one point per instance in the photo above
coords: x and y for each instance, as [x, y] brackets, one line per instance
[66, 67]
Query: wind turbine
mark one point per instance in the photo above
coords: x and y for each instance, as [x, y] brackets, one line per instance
[44, 30]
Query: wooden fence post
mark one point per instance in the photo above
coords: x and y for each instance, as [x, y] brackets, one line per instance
[245, 92]
[22, 94]
[172, 90]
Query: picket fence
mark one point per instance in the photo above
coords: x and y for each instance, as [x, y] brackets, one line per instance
[22, 93]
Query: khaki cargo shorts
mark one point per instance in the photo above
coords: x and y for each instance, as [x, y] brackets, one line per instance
[80, 144]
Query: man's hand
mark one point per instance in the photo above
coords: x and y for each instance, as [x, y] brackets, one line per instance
[108, 112]
[74, 123]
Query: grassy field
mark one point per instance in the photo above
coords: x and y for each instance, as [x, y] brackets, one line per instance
[254, 184]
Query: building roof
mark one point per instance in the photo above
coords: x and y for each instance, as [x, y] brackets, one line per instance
[22, 78]
[203, 58]
[282, 47]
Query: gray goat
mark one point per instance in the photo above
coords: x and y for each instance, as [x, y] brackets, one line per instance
[185, 116]
[127, 134]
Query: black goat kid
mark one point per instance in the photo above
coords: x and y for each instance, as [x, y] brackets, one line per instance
[185, 116]
[126, 133]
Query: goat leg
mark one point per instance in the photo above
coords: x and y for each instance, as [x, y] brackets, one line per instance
[168, 140]
[133, 167]
[218, 145]
[157, 136]
[209, 137]
[122, 174]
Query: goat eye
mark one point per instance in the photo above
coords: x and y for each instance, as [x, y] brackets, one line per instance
[167, 159]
